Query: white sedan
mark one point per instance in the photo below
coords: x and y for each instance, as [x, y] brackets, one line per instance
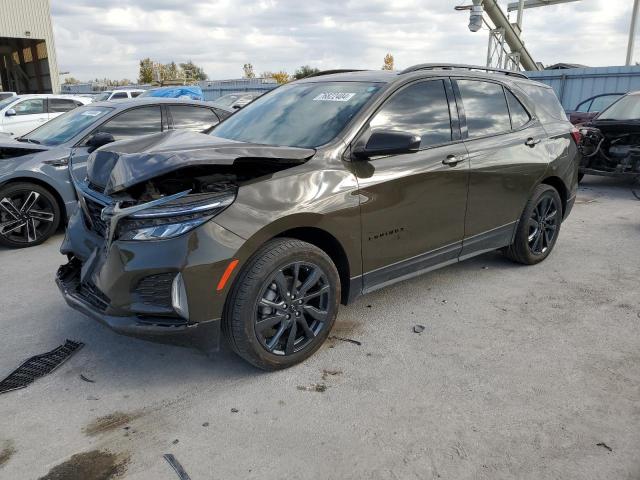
[23, 113]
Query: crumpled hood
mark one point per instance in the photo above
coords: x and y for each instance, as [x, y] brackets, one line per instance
[120, 165]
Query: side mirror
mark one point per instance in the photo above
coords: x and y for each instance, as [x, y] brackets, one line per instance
[99, 139]
[10, 113]
[388, 143]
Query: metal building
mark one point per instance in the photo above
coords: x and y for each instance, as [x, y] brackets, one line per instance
[27, 52]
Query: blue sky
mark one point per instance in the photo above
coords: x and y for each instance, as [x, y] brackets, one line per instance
[95, 38]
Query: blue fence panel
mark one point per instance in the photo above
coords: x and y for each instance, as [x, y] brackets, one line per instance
[217, 88]
[574, 85]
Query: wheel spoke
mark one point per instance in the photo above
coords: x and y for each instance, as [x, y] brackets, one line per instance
[548, 236]
[11, 226]
[311, 280]
[307, 331]
[10, 208]
[268, 322]
[276, 338]
[536, 244]
[294, 281]
[315, 294]
[320, 315]
[32, 233]
[551, 216]
[32, 198]
[291, 341]
[40, 215]
[268, 303]
[281, 283]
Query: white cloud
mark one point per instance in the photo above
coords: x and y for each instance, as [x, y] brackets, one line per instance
[107, 39]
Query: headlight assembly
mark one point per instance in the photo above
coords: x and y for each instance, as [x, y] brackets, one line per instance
[172, 219]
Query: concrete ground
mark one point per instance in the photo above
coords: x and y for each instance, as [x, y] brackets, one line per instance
[520, 373]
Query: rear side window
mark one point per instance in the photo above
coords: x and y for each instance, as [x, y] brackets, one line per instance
[547, 106]
[30, 107]
[118, 95]
[421, 109]
[135, 94]
[519, 116]
[485, 107]
[197, 119]
[58, 105]
[133, 123]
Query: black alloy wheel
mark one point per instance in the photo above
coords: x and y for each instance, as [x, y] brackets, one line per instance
[29, 214]
[282, 304]
[543, 225]
[293, 308]
[539, 226]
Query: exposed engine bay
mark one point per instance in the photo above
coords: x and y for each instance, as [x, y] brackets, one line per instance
[610, 148]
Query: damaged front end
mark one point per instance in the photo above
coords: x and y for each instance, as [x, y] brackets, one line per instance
[611, 148]
[144, 252]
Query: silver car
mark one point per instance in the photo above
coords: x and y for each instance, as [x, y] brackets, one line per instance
[36, 194]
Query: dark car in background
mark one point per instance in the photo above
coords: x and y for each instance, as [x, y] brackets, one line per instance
[315, 193]
[611, 141]
[36, 194]
[589, 108]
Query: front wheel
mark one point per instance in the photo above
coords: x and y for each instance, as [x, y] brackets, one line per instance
[539, 227]
[29, 214]
[282, 305]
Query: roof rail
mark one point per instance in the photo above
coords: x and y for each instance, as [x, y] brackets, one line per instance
[455, 66]
[331, 72]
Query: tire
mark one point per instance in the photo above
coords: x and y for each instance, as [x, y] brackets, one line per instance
[251, 324]
[24, 226]
[580, 177]
[540, 222]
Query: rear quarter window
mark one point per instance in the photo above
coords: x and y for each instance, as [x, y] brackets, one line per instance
[545, 102]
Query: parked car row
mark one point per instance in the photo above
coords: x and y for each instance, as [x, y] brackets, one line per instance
[313, 194]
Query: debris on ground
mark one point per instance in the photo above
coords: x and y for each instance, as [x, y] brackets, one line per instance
[7, 450]
[326, 373]
[39, 366]
[95, 464]
[234, 410]
[205, 424]
[175, 464]
[176, 441]
[86, 379]
[314, 387]
[109, 422]
[604, 445]
[348, 340]
[418, 328]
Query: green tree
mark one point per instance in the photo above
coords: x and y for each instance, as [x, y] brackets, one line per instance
[305, 71]
[170, 71]
[248, 71]
[280, 77]
[71, 81]
[193, 72]
[388, 62]
[145, 75]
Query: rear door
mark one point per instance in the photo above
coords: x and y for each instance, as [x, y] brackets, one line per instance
[507, 157]
[413, 205]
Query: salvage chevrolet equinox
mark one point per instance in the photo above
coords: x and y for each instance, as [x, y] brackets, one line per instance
[319, 191]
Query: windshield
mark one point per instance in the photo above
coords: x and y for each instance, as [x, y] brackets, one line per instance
[103, 96]
[7, 101]
[226, 100]
[63, 128]
[627, 108]
[298, 115]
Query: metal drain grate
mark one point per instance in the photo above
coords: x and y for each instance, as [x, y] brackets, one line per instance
[39, 366]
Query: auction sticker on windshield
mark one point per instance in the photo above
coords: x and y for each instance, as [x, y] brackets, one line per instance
[92, 113]
[334, 97]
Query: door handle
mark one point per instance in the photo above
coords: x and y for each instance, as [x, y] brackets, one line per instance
[531, 142]
[451, 160]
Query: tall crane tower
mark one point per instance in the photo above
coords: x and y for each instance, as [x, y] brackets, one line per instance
[506, 48]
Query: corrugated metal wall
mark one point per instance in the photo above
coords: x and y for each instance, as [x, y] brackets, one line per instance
[213, 89]
[31, 19]
[577, 84]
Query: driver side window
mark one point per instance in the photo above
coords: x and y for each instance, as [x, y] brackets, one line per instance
[133, 123]
[421, 109]
[32, 106]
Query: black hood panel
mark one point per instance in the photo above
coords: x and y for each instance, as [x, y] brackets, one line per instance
[123, 164]
[13, 148]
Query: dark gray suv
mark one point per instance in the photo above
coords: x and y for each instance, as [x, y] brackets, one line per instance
[319, 191]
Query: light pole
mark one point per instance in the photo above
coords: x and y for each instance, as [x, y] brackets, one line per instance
[632, 32]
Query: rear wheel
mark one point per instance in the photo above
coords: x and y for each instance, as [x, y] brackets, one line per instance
[282, 305]
[538, 228]
[29, 214]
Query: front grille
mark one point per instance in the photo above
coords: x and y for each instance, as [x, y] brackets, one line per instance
[155, 290]
[95, 222]
[69, 275]
[92, 295]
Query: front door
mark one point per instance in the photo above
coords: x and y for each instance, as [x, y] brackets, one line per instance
[30, 114]
[413, 205]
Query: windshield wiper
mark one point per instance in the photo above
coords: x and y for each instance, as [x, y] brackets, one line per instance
[28, 140]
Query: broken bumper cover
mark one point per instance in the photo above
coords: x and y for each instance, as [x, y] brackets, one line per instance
[128, 286]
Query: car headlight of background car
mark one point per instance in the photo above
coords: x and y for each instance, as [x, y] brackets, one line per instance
[171, 220]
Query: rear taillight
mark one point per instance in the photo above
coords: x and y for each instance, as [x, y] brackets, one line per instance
[577, 136]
